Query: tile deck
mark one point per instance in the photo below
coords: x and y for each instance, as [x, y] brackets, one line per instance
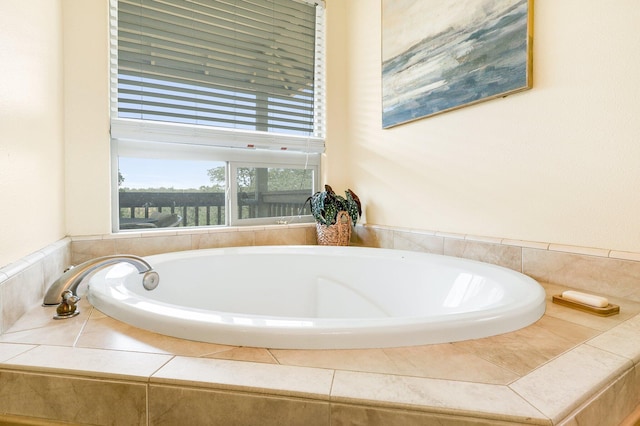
[541, 374]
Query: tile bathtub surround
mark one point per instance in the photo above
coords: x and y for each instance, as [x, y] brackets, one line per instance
[146, 244]
[23, 283]
[595, 270]
[401, 384]
[171, 405]
[72, 399]
[568, 367]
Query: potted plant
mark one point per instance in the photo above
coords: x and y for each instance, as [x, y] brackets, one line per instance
[334, 215]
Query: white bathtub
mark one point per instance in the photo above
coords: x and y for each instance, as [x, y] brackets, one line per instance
[318, 297]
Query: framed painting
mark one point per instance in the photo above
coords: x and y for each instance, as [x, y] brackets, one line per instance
[440, 55]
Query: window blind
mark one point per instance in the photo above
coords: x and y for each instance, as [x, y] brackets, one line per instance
[251, 66]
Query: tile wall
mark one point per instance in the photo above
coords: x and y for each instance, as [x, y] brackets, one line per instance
[590, 269]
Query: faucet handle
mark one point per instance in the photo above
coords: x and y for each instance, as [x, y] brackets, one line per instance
[70, 298]
[67, 308]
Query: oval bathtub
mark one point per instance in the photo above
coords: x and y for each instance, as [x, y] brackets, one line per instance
[318, 297]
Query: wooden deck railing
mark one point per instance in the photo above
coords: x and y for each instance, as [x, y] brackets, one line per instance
[208, 208]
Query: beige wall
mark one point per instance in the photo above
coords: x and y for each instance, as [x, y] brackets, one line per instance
[31, 130]
[559, 163]
[88, 170]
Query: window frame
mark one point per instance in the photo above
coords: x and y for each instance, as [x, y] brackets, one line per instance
[232, 160]
[236, 148]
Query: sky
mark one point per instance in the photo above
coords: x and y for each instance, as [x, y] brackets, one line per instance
[156, 173]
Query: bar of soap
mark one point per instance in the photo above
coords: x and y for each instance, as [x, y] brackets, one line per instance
[587, 299]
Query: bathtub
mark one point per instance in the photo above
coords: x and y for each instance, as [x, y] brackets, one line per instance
[319, 297]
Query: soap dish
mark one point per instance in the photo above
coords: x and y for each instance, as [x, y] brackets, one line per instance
[603, 312]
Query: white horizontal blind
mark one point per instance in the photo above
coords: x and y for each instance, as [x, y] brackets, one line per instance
[254, 66]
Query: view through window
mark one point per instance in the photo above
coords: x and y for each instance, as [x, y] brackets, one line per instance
[236, 90]
[164, 192]
[272, 192]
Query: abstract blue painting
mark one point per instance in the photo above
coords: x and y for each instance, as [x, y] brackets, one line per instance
[439, 55]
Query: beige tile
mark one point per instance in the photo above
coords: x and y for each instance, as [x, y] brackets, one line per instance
[63, 244]
[105, 332]
[563, 384]
[590, 251]
[42, 316]
[507, 256]
[91, 237]
[529, 244]
[633, 419]
[153, 245]
[83, 250]
[9, 350]
[418, 242]
[246, 376]
[89, 362]
[483, 239]
[280, 236]
[611, 406]
[523, 350]
[15, 268]
[54, 264]
[569, 331]
[451, 235]
[628, 309]
[624, 255]
[607, 276]
[178, 406]
[434, 361]
[245, 354]
[343, 415]
[43, 329]
[371, 236]
[302, 225]
[74, 400]
[440, 396]
[222, 239]
[164, 232]
[447, 362]
[311, 237]
[623, 340]
[20, 293]
[356, 360]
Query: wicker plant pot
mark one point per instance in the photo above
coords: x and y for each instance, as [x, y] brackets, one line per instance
[335, 235]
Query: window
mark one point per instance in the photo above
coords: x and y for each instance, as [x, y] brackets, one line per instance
[217, 110]
[183, 192]
[266, 192]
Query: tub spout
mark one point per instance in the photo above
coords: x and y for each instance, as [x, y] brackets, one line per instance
[72, 278]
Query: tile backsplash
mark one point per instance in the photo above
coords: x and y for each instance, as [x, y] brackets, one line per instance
[594, 270]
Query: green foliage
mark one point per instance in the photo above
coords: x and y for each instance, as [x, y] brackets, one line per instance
[277, 179]
[326, 204]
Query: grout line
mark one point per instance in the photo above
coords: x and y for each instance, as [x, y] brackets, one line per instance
[75, 341]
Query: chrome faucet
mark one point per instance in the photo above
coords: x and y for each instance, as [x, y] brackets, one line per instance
[71, 279]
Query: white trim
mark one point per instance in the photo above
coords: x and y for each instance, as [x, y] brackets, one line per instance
[156, 131]
[150, 149]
